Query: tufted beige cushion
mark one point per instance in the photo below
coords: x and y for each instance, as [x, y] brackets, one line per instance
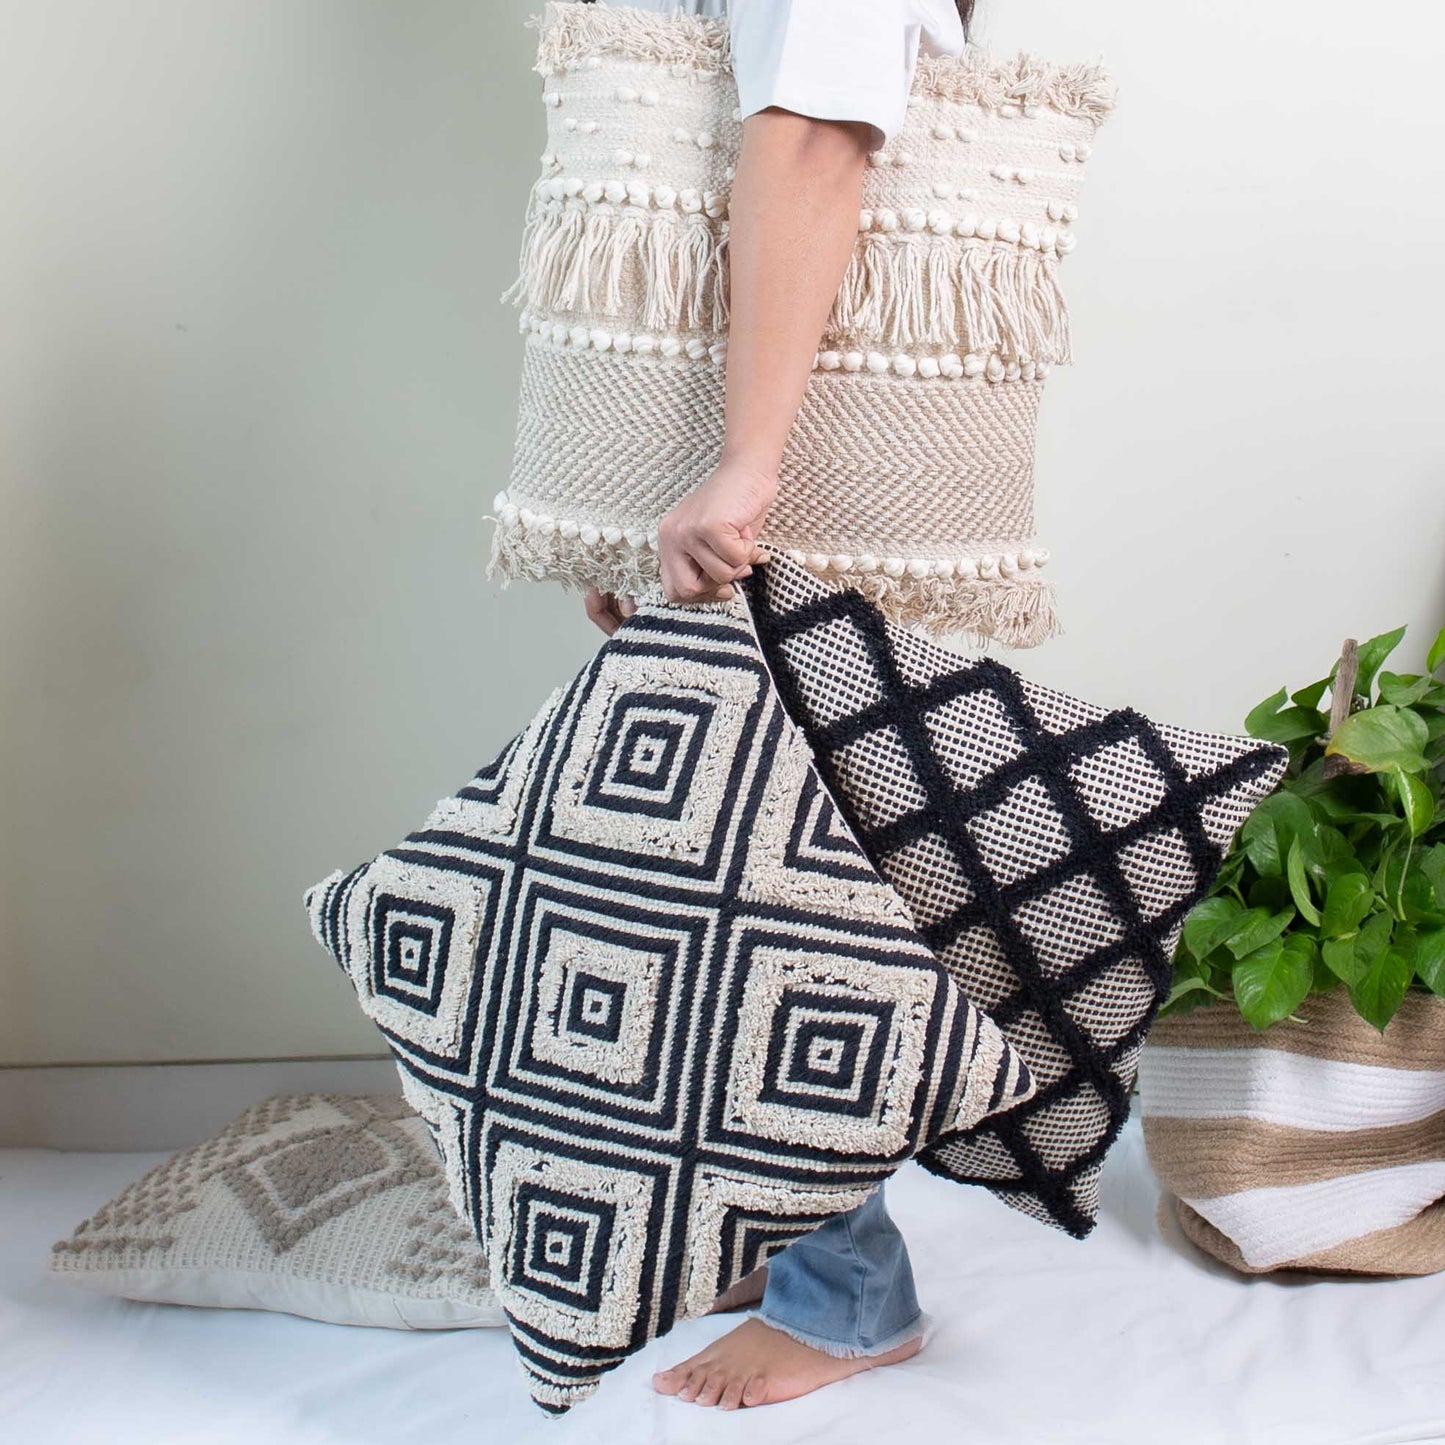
[323, 1205]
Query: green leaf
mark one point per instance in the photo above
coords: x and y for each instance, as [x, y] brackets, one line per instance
[1209, 923]
[1430, 959]
[1405, 885]
[1299, 885]
[1291, 725]
[1372, 654]
[1347, 903]
[1384, 739]
[1417, 800]
[1415, 896]
[1436, 655]
[1260, 843]
[1270, 983]
[1380, 992]
[1341, 960]
[1323, 979]
[1266, 834]
[1310, 696]
[1337, 854]
[1403, 691]
[1275, 723]
[1432, 865]
[1188, 986]
[1270, 894]
[1255, 928]
[1372, 939]
[1262, 713]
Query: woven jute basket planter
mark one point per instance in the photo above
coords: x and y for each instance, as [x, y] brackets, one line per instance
[1317, 1145]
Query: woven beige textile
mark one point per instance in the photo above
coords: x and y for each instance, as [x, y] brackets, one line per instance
[1316, 1145]
[330, 1206]
[910, 470]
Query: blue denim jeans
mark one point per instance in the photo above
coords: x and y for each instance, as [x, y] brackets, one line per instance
[846, 1288]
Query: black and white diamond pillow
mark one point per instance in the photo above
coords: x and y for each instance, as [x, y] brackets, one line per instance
[1049, 851]
[660, 1011]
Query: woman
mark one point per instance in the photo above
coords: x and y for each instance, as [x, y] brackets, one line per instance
[821, 83]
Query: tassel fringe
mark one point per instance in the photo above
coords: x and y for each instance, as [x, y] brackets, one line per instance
[571, 32]
[668, 273]
[1015, 612]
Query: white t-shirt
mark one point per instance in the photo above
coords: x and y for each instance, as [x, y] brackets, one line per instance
[830, 59]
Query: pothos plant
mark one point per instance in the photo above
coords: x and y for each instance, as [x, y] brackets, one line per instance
[1337, 879]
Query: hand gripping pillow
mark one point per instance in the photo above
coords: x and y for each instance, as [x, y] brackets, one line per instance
[1048, 849]
[658, 1009]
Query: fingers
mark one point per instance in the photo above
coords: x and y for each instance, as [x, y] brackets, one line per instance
[702, 556]
[607, 610]
[698, 573]
[719, 560]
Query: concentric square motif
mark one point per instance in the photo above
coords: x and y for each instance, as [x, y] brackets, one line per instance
[409, 950]
[569, 1247]
[843, 1035]
[659, 1010]
[1048, 851]
[408, 938]
[648, 774]
[595, 1001]
[596, 1006]
[651, 755]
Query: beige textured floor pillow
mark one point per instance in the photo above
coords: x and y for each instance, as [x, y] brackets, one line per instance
[323, 1205]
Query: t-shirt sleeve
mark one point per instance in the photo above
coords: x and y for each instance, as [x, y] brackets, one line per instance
[831, 59]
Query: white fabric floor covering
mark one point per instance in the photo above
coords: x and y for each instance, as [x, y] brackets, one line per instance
[1035, 1338]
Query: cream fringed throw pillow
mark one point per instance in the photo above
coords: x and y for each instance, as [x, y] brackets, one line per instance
[909, 472]
[329, 1206]
[659, 1010]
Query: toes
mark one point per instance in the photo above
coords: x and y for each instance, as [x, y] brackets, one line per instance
[712, 1389]
[670, 1381]
[690, 1385]
[732, 1397]
[756, 1391]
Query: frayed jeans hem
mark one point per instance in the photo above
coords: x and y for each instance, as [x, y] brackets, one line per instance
[915, 1329]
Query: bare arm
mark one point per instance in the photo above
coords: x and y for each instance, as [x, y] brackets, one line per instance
[793, 217]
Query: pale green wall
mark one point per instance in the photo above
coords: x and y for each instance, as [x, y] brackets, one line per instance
[257, 394]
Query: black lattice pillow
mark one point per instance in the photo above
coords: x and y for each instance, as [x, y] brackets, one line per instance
[659, 1010]
[1048, 849]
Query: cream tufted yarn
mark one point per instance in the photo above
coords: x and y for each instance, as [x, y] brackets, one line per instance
[909, 472]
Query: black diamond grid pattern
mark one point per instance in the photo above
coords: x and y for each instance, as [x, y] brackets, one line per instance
[580, 1092]
[1053, 1171]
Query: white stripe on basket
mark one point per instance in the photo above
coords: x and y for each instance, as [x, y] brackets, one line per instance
[1284, 1088]
[1284, 1222]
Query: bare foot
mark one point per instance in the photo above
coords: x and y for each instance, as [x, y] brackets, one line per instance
[758, 1365]
[747, 1291]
